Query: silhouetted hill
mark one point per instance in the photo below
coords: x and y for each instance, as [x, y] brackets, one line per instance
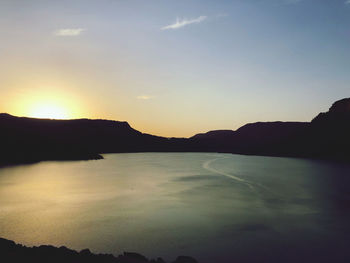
[330, 131]
[214, 134]
[10, 252]
[29, 140]
[261, 138]
[327, 136]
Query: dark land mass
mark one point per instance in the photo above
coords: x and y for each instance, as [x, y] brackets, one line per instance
[325, 137]
[26, 140]
[15, 253]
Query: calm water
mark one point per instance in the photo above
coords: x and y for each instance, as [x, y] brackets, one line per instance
[215, 207]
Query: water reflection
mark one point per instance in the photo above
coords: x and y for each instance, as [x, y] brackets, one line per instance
[215, 207]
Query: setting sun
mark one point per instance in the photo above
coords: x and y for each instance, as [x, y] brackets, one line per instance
[50, 111]
[48, 104]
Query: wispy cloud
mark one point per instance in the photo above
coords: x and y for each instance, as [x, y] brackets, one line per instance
[347, 2]
[69, 32]
[145, 97]
[184, 22]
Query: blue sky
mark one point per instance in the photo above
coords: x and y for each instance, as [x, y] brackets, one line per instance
[176, 68]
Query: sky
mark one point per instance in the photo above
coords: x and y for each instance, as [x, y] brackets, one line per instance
[174, 67]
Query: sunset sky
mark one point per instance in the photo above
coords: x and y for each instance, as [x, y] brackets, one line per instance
[174, 67]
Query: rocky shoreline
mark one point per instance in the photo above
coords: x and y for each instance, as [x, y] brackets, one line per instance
[17, 253]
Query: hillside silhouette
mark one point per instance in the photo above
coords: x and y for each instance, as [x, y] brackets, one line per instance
[326, 137]
[16, 253]
[25, 140]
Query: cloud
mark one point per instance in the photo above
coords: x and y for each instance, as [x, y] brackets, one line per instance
[347, 2]
[184, 22]
[69, 32]
[145, 97]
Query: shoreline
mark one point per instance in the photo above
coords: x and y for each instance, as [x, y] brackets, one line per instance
[17, 253]
[8, 162]
[90, 157]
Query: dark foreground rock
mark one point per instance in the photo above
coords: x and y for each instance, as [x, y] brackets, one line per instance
[10, 252]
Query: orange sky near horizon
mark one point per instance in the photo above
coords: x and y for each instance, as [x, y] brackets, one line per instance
[61, 100]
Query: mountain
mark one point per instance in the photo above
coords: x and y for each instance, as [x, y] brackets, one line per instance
[330, 131]
[326, 136]
[26, 140]
[261, 138]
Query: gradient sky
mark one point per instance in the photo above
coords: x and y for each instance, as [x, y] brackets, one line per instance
[175, 67]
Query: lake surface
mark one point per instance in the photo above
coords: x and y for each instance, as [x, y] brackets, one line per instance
[214, 207]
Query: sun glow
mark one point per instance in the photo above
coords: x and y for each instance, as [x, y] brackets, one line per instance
[49, 111]
[48, 104]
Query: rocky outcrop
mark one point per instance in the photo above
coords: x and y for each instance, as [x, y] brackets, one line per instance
[341, 106]
[338, 114]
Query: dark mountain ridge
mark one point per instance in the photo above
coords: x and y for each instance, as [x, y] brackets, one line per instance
[25, 140]
[326, 136]
[261, 138]
[29, 140]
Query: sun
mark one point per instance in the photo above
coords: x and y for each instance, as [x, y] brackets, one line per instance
[48, 103]
[48, 111]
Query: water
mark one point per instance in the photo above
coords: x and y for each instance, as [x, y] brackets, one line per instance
[214, 207]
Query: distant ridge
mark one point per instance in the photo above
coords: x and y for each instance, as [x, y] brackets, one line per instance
[25, 140]
[326, 137]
